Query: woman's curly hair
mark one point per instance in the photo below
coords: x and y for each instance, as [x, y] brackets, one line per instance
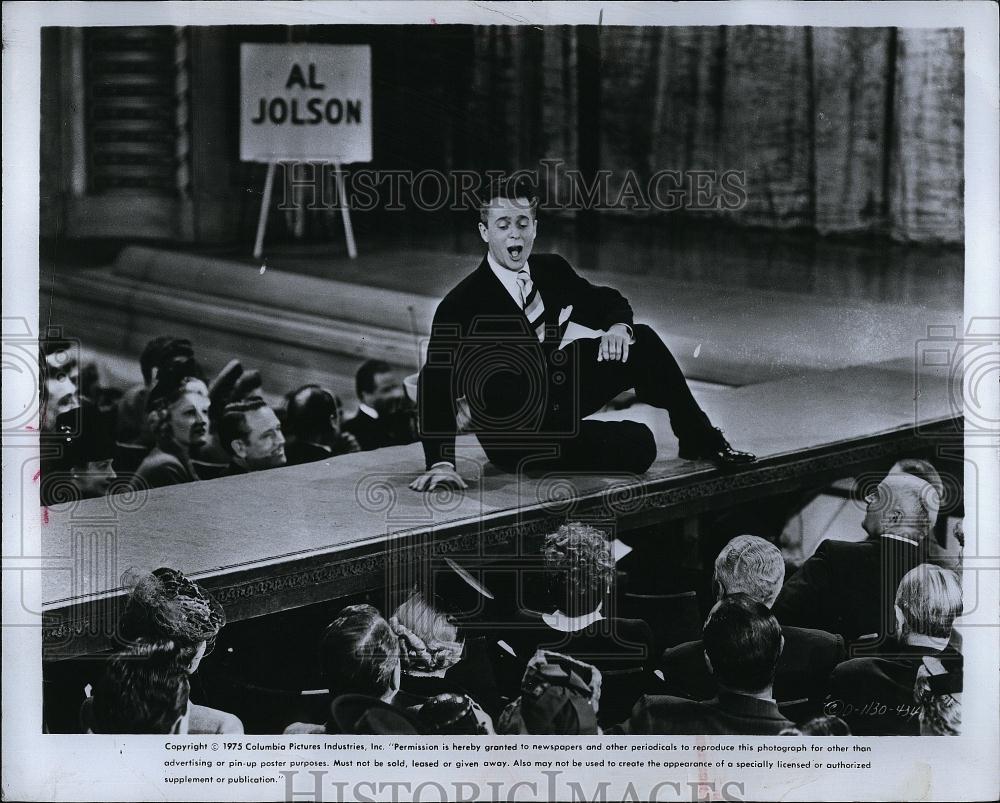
[166, 605]
[428, 640]
[579, 566]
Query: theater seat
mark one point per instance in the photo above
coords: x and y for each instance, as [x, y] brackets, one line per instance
[620, 691]
[673, 618]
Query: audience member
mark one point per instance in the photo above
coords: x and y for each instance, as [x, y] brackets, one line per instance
[385, 417]
[579, 575]
[250, 431]
[848, 587]
[133, 424]
[752, 566]
[313, 418]
[359, 656]
[142, 690]
[938, 692]
[166, 605]
[178, 409]
[451, 714]
[360, 714]
[875, 693]
[742, 646]
[58, 375]
[83, 468]
[429, 646]
[559, 696]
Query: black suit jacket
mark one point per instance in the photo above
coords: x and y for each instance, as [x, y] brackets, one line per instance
[483, 348]
[369, 431]
[803, 671]
[727, 714]
[848, 588]
[874, 695]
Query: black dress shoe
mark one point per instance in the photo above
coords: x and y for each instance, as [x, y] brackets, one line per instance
[717, 449]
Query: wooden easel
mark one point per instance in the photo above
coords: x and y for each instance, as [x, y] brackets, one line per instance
[265, 205]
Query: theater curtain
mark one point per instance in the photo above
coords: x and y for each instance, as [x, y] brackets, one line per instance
[836, 129]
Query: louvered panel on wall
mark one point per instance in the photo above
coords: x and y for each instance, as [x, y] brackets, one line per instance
[132, 109]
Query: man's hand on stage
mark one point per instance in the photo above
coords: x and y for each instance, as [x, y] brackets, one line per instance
[614, 344]
[441, 474]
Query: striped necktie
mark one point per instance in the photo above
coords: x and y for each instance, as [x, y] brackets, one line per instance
[531, 303]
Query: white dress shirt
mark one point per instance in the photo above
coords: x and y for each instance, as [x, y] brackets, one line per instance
[508, 278]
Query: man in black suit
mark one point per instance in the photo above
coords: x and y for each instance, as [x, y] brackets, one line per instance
[742, 646]
[385, 416]
[494, 358]
[752, 566]
[874, 694]
[849, 587]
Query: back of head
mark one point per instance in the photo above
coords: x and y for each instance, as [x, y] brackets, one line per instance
[364, 379]
[752, 566]
[743, 641]
[163, 351]
[166, 605]
[922, 469]
[428, 640]
[908, 505]
[359, 653]
[309, 412]
[579, 567]
[142, 690]
[929, 599]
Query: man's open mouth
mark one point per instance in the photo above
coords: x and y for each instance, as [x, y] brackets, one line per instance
[515, 251]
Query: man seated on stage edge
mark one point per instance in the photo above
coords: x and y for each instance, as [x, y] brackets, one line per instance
[495, 347]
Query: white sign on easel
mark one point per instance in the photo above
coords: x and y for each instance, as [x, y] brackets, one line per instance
[305, 103]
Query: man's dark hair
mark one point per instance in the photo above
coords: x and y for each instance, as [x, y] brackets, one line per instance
[308, 412]
[359, 652]
[509, 188]
[232, 423]
[171, 382]
[161, 350]
[143, 690]
[743, 641]
[364, 380]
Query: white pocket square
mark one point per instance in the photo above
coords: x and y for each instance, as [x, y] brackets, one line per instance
[564, 314]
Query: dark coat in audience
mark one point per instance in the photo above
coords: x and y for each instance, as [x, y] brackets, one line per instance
[298, 452]
[808, 658]
[369, 432]
[727, 714]
[848, 588]
[874, 695]
[160, 469]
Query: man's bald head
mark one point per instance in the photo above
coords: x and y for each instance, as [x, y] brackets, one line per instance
[902, 504]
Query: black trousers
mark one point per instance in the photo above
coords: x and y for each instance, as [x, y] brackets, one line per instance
[578, 386]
